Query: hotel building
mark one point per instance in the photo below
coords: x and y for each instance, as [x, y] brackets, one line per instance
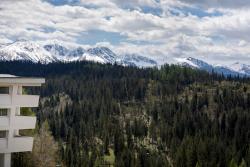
[13, 121]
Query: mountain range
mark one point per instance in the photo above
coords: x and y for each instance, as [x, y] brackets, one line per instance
[47, 53]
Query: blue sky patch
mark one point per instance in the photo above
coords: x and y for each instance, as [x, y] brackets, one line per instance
[49, 29]
[154, 11]
[195, 11]
[63, 2]
[94, 36]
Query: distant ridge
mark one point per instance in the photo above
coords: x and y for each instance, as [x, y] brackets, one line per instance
[236, 69]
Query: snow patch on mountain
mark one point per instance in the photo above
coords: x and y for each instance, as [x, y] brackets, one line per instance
[136, 60]
[186, 62]
[104, 53]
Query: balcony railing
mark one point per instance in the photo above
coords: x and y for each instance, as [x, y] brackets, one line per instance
[7, 101]
[26, 101]
[24, 122]
[16, 144]
[19, 122]
[21, 144]
[4, 122]
[3, 145]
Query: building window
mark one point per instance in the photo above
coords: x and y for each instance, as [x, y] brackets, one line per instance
[3, 112]
[3, 134]
[4, 90]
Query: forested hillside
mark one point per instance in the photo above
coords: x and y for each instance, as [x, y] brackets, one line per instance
[109, 115]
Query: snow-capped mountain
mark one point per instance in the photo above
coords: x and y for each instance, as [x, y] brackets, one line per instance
[106, 55]
[236, 69]
[54, 52]
[47, 53]
[24, 50]
[136, 60]
[97, 54]
[241, 68]
[194, 63]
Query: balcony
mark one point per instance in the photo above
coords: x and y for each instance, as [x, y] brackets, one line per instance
[7, 101]
[19, 122]
[24, 122]
[4, 122]
[21, 144]
[16, 144]
[26, 101]
[3, 145]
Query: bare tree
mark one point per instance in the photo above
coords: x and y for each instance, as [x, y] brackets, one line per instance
[45, 148]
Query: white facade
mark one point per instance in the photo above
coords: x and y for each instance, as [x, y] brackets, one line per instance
[11, 120]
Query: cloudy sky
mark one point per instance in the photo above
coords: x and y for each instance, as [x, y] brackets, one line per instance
[217, 31]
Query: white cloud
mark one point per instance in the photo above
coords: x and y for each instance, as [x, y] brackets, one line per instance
[162, 37]
[219, 3]
[134, 3]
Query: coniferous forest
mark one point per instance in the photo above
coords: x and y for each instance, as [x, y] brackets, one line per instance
[110, 115]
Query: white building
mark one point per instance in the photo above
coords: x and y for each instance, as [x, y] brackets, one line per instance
[12, 102]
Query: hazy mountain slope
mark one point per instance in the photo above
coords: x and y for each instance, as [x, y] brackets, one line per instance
[233, 70]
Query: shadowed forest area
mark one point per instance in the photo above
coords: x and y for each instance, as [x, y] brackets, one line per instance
[110, 115]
